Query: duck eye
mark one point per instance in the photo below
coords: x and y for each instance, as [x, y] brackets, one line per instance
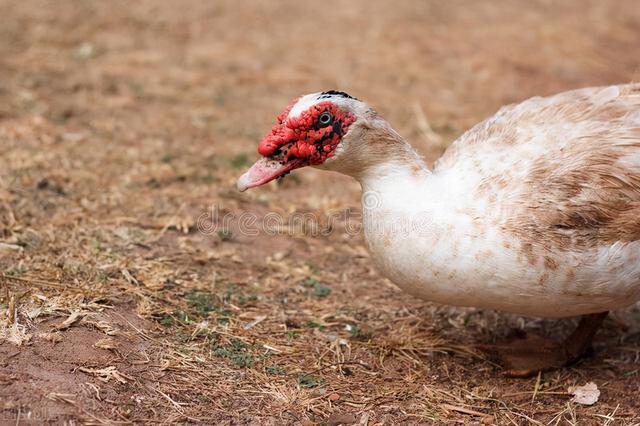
[325, 119]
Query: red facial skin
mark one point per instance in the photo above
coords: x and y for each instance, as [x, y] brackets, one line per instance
[303, 137]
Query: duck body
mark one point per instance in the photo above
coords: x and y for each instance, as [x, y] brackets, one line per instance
[535, 211]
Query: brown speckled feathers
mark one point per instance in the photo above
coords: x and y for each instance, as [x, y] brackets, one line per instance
[576, 183]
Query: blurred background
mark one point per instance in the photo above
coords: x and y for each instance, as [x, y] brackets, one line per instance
[121, 123]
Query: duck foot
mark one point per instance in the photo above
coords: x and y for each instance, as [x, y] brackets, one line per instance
[526, 355]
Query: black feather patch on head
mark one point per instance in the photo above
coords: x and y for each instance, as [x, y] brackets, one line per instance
[335, 93]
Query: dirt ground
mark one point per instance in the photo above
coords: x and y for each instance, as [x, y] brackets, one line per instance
[124, 125]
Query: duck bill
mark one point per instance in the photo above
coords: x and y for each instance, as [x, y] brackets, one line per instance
[264, 171]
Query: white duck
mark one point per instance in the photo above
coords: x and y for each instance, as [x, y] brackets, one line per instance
[535, 211]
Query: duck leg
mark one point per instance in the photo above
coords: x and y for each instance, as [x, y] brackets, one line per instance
[526, 356]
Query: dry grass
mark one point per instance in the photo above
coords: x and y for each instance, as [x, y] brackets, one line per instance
[122, 123]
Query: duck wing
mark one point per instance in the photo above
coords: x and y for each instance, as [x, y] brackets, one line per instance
[564, 171]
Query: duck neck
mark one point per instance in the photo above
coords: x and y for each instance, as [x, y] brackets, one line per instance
[398, 201]
[394, 176]
[397, 170]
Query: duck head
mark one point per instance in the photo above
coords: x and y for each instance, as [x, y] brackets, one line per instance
[324, 130]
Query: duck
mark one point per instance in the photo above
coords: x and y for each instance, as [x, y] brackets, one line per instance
[534, 211]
